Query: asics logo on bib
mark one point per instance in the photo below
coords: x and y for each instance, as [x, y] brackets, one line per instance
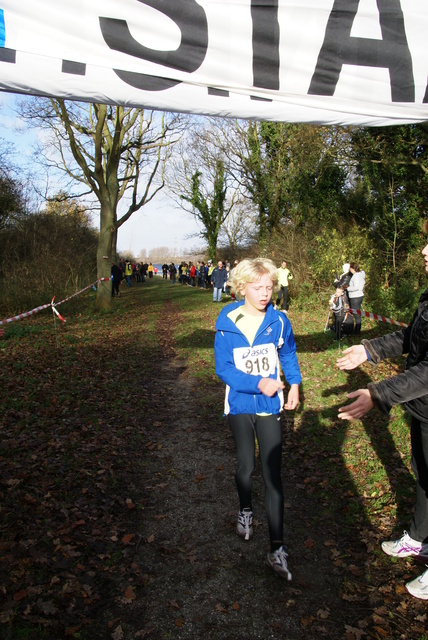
[254, 353]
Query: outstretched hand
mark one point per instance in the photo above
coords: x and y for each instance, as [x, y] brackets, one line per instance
[352, 357]
[357, 409]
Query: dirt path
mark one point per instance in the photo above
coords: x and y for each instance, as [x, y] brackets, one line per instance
[200, 579]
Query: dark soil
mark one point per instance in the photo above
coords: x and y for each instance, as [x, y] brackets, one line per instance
[202, 580]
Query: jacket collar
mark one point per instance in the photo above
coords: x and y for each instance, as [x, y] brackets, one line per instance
[225, 324]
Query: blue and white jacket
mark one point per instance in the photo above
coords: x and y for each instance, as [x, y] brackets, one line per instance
[242, 366]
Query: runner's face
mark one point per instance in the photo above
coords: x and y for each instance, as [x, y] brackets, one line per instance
[425, 255]
[258, 294]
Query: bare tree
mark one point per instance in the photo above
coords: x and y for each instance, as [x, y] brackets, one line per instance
[201, 182]
[13, 197]
[115, 154]
[240, 228]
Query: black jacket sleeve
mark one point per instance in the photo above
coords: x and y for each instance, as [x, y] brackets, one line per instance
[402, 388]
[388, 346]
[413, 382]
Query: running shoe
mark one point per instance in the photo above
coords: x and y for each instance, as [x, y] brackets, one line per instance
[244, 527]
[419, 586]
[277, 560]
[405, 547]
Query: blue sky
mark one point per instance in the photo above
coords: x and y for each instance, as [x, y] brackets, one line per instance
[158, 224]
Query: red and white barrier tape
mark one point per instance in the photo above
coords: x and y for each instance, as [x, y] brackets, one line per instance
[375, 316]
[51, 304]
[84, 289]
[55, 311]
[366, 314]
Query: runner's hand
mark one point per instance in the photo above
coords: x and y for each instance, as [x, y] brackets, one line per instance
[269, 386]
[352, 358]
[293, 398]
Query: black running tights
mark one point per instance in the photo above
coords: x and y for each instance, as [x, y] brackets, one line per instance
[268, 430]
[419, 438]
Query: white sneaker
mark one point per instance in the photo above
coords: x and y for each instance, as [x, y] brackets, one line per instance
[419, 586]
[278, 562]
[405, 547]
[244, 527]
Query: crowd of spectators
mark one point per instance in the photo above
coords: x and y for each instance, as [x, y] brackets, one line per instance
[203, 274]
[193, 274]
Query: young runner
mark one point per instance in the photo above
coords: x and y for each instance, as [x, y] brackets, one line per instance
[252, 340]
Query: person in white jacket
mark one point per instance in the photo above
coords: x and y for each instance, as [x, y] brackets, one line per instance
[356, 293]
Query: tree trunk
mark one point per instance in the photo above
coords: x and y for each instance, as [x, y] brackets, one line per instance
[212, 247]
[106, 254]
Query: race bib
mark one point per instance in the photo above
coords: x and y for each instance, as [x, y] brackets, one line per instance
[257, 361]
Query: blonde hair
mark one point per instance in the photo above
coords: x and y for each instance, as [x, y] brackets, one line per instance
[251, 270]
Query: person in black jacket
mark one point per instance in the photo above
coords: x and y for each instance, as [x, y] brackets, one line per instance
[340, 300]
[218, 280]
[116, 278]
[343, 281]
[410, 389]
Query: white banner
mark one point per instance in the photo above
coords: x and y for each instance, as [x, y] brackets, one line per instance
[352, 62]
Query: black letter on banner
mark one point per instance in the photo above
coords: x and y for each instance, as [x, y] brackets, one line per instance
[339, 48]
[7, 55]
[190, 18]
[264, 14]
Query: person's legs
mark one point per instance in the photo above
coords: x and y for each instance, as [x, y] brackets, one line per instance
[419, 440]
[242, 427]
[415, 543]
[269, 436]
[338, 321]
[355, 303]
[284, 298]
[279, 296]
